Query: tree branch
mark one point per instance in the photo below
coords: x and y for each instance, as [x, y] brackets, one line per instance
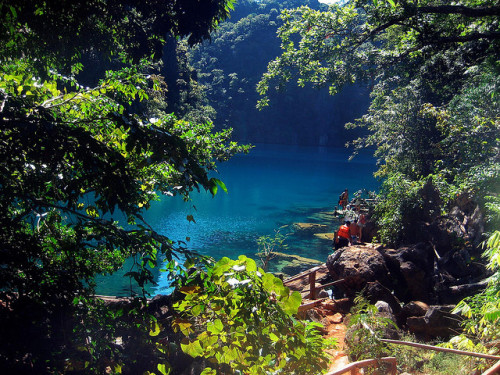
[460, 9]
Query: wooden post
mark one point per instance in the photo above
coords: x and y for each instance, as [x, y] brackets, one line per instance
[312, 285]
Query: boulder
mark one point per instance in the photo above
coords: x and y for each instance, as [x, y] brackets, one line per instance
[375, 291]
[455, 293]
[438, 321]
[357, 265]
[412, 271]
[415, 308]
[385, 311]
[342, 306]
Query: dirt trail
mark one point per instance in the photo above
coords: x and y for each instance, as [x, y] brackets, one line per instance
[331, 315]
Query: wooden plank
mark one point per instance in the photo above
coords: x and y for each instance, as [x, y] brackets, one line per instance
[310, 305]
[324, 286]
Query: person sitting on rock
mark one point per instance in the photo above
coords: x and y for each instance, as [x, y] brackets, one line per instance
[343, 236]
[355, 232]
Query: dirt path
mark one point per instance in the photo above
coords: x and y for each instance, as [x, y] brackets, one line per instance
[328, 314]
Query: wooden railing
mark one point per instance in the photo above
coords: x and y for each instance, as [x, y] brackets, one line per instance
[353, 368]
[440, 349]
[313, 289]
[492, 370]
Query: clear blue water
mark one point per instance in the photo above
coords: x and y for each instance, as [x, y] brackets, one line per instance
[274, 185]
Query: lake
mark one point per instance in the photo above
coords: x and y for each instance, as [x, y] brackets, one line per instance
[271, 187]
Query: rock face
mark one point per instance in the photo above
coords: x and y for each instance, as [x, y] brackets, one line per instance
[412, 271]
[438, 321]
[411, 274]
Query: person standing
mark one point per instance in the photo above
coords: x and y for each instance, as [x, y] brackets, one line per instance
[361, 225]
[344, 199]
[355, 232]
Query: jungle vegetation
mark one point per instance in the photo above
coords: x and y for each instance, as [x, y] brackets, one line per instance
[87, 142]
[102, 111]
[433, 70]
[230, 65]
[434, 117]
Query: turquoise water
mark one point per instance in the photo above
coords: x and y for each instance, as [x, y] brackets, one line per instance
[273, 186]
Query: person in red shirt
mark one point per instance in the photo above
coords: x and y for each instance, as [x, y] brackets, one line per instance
[343, 236]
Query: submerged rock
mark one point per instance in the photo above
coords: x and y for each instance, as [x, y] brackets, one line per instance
[291, 264]
[325, 236]
[308, 229]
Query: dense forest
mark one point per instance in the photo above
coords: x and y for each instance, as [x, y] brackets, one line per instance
[107, 106]
[231, 64]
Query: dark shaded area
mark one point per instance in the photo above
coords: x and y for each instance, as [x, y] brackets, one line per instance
[231, 65]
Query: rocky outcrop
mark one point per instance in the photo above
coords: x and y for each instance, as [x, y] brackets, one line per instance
[411, 273]
[358, 265]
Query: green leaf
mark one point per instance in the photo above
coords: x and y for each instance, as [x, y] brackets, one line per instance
[215, 327]
[165, 369]
[208, 371]
[273, 337]
[214, 184]
[155, 329]
[193, 349]
[291, 304]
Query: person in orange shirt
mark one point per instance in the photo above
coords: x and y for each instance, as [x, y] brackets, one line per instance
[343, 236]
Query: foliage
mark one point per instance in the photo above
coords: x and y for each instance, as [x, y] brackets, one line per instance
[367, 40]
[433, 69]
[416, 360]
[406, 204]
[241, 320]
[102, 27]
[268, 246]
[365, 326]
[230, 66]
[79, 166]
[483, 309]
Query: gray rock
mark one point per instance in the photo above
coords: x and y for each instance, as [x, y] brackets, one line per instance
[357, 265]
[437, 322]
